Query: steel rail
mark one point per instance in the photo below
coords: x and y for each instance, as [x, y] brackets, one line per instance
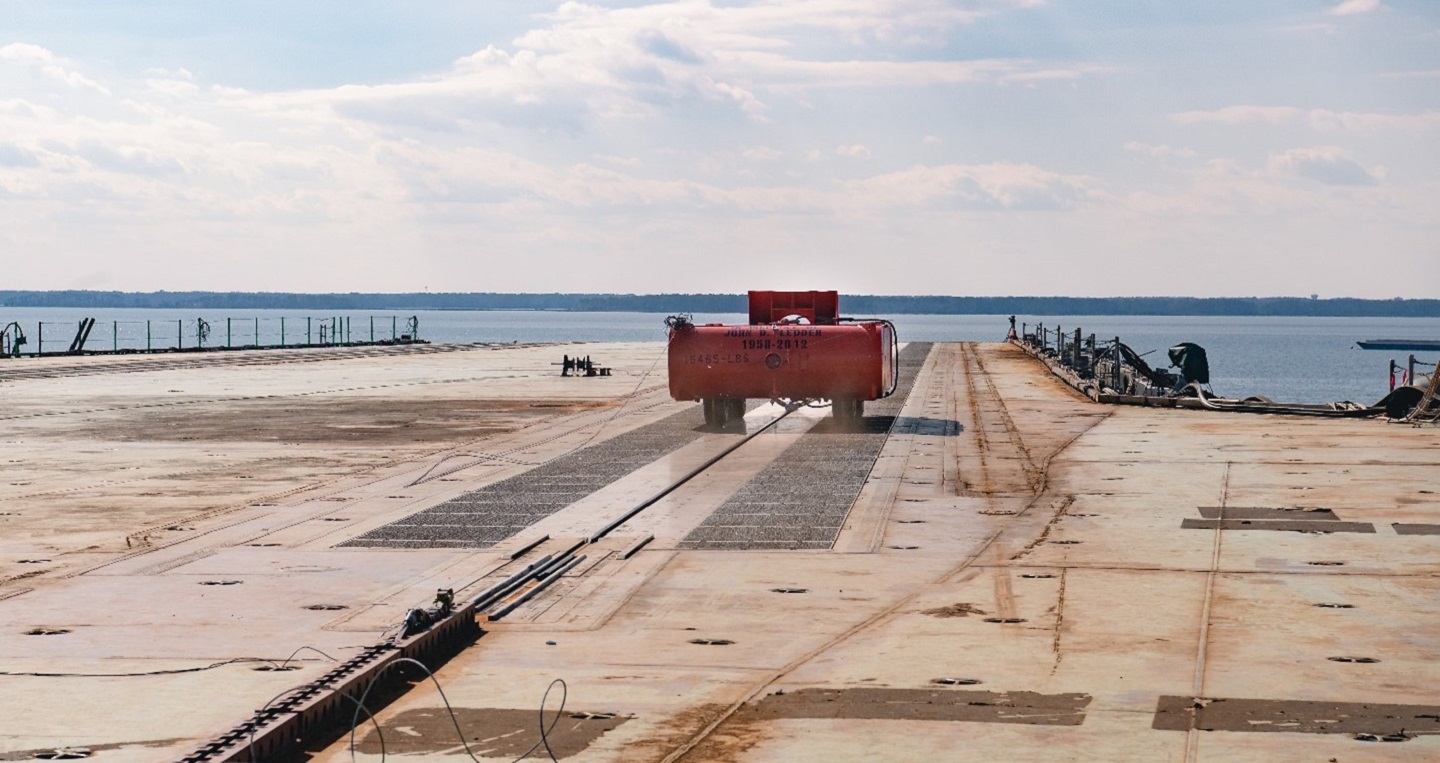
[692, 474]
[555, 564]
[554, 575]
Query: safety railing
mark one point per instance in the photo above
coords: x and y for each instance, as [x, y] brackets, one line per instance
[1402, 374]
[90, 336]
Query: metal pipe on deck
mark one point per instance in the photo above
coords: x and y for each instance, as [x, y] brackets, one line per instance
[541, 585]
[498, 591]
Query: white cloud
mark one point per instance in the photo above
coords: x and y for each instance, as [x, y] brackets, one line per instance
[590, 62]
[854, 151]
[48, 64]
[1326, 164]
[1354, 7]
[931, 140]
[986, 186]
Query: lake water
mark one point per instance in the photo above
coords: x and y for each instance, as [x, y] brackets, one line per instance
[1307, 360]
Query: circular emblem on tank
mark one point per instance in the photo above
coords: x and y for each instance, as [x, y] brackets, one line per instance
[773, 361]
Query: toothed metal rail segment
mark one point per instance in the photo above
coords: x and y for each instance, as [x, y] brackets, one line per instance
[481, 518]
[800, 500]
[312, 712]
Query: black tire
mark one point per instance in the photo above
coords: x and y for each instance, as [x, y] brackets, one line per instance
[710, 405]
[737, 408]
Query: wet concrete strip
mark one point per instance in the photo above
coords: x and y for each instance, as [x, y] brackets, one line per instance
[1402, 528]
[1297, 525]
[489, 732]
[922, 705]
[1265, 512]
[1174, 713]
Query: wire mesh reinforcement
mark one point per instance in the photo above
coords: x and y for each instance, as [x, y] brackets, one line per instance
[801, 499]
[797, 502]
[481, 518]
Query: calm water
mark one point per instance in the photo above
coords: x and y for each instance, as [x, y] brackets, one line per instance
[1309, 360]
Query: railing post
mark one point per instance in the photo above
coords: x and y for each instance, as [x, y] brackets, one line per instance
[372, 329]
[1410, 377]
[115, 336]
[1116, 370]
[147, 335]
[282, 331]
[227, 333]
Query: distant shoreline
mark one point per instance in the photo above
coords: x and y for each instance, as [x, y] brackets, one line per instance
[855, 305]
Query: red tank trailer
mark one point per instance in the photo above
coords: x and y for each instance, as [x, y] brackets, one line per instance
[795, 348]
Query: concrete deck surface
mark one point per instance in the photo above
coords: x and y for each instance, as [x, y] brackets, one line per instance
[1019, 550]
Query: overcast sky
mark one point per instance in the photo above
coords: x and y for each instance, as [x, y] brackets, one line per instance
[978, 147]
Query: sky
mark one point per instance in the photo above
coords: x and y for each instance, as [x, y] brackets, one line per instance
[974, 147]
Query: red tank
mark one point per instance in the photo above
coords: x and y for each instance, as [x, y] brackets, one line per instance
[796, 347]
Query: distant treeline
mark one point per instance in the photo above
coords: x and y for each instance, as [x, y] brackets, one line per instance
[857, 306]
